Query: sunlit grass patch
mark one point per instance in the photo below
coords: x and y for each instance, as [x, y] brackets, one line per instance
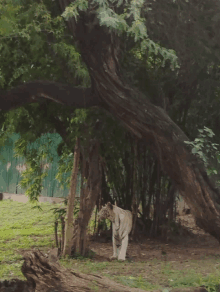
[22, 228]
[11, 270]
[136, 282]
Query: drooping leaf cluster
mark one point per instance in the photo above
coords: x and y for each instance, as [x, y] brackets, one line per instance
[207, 151]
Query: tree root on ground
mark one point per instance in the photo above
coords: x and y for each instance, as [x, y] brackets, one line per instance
[47, 275]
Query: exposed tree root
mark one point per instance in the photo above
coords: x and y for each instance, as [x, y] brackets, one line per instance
[47, 275]
[44, 275]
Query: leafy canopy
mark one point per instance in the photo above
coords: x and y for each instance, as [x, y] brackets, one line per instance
[124, 17]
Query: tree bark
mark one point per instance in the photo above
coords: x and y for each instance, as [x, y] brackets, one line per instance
[71, 198]
[36, 91]
[88, 198]
[135, 191]
[148, 122]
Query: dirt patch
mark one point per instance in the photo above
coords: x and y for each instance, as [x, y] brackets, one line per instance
[196, 245]
[154, 249]
[24, 199]
[192, 245]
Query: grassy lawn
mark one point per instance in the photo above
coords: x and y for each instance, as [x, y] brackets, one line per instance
[22, 228]
[154, 275]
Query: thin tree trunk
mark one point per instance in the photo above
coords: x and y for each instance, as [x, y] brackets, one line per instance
[152, 183]
[88, 198]
[71, 198]
[128, 182]
[145, 179]
[62, 233]
[96, 213]
[135, 200]
[79, 240]
[172, 203]
[106, 196]
[56, 235]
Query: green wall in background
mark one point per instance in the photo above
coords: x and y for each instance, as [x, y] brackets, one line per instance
[10, 175]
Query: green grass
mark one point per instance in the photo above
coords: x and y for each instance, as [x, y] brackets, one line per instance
[137, 282]
[154, 275]
[23, 228]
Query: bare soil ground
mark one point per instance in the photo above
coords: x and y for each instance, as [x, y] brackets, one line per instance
[193, 244]
[181, 251]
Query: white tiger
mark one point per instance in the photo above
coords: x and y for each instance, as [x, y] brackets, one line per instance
[121, 227]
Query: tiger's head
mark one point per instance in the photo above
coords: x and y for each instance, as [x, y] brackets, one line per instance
[107, 212]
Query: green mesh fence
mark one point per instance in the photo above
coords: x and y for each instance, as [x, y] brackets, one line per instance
[11, 167]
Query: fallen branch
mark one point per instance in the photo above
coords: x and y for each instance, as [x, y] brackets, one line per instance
[46, 275]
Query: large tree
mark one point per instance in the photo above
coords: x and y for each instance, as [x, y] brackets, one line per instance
[99, 34]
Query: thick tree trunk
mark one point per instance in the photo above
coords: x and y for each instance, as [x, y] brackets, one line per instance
[148, 122]
[71, 199]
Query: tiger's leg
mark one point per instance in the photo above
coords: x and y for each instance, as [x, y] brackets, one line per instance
[114, 243]
[123, 250]
[118, 244]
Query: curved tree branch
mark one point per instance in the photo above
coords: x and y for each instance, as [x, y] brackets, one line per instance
[149, 123]
[35, 91]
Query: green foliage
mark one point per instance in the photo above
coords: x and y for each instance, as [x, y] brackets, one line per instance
[210, 282]
[61, 211]
[27, 18]
[32, 177]
[75, 128]
[69, 53]
[135, 282]
[30, 122]
[206, 150]
[8, 16]
[34, 41]
[104, 224]
[65, 167]
[73, 9]
[129, 22]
